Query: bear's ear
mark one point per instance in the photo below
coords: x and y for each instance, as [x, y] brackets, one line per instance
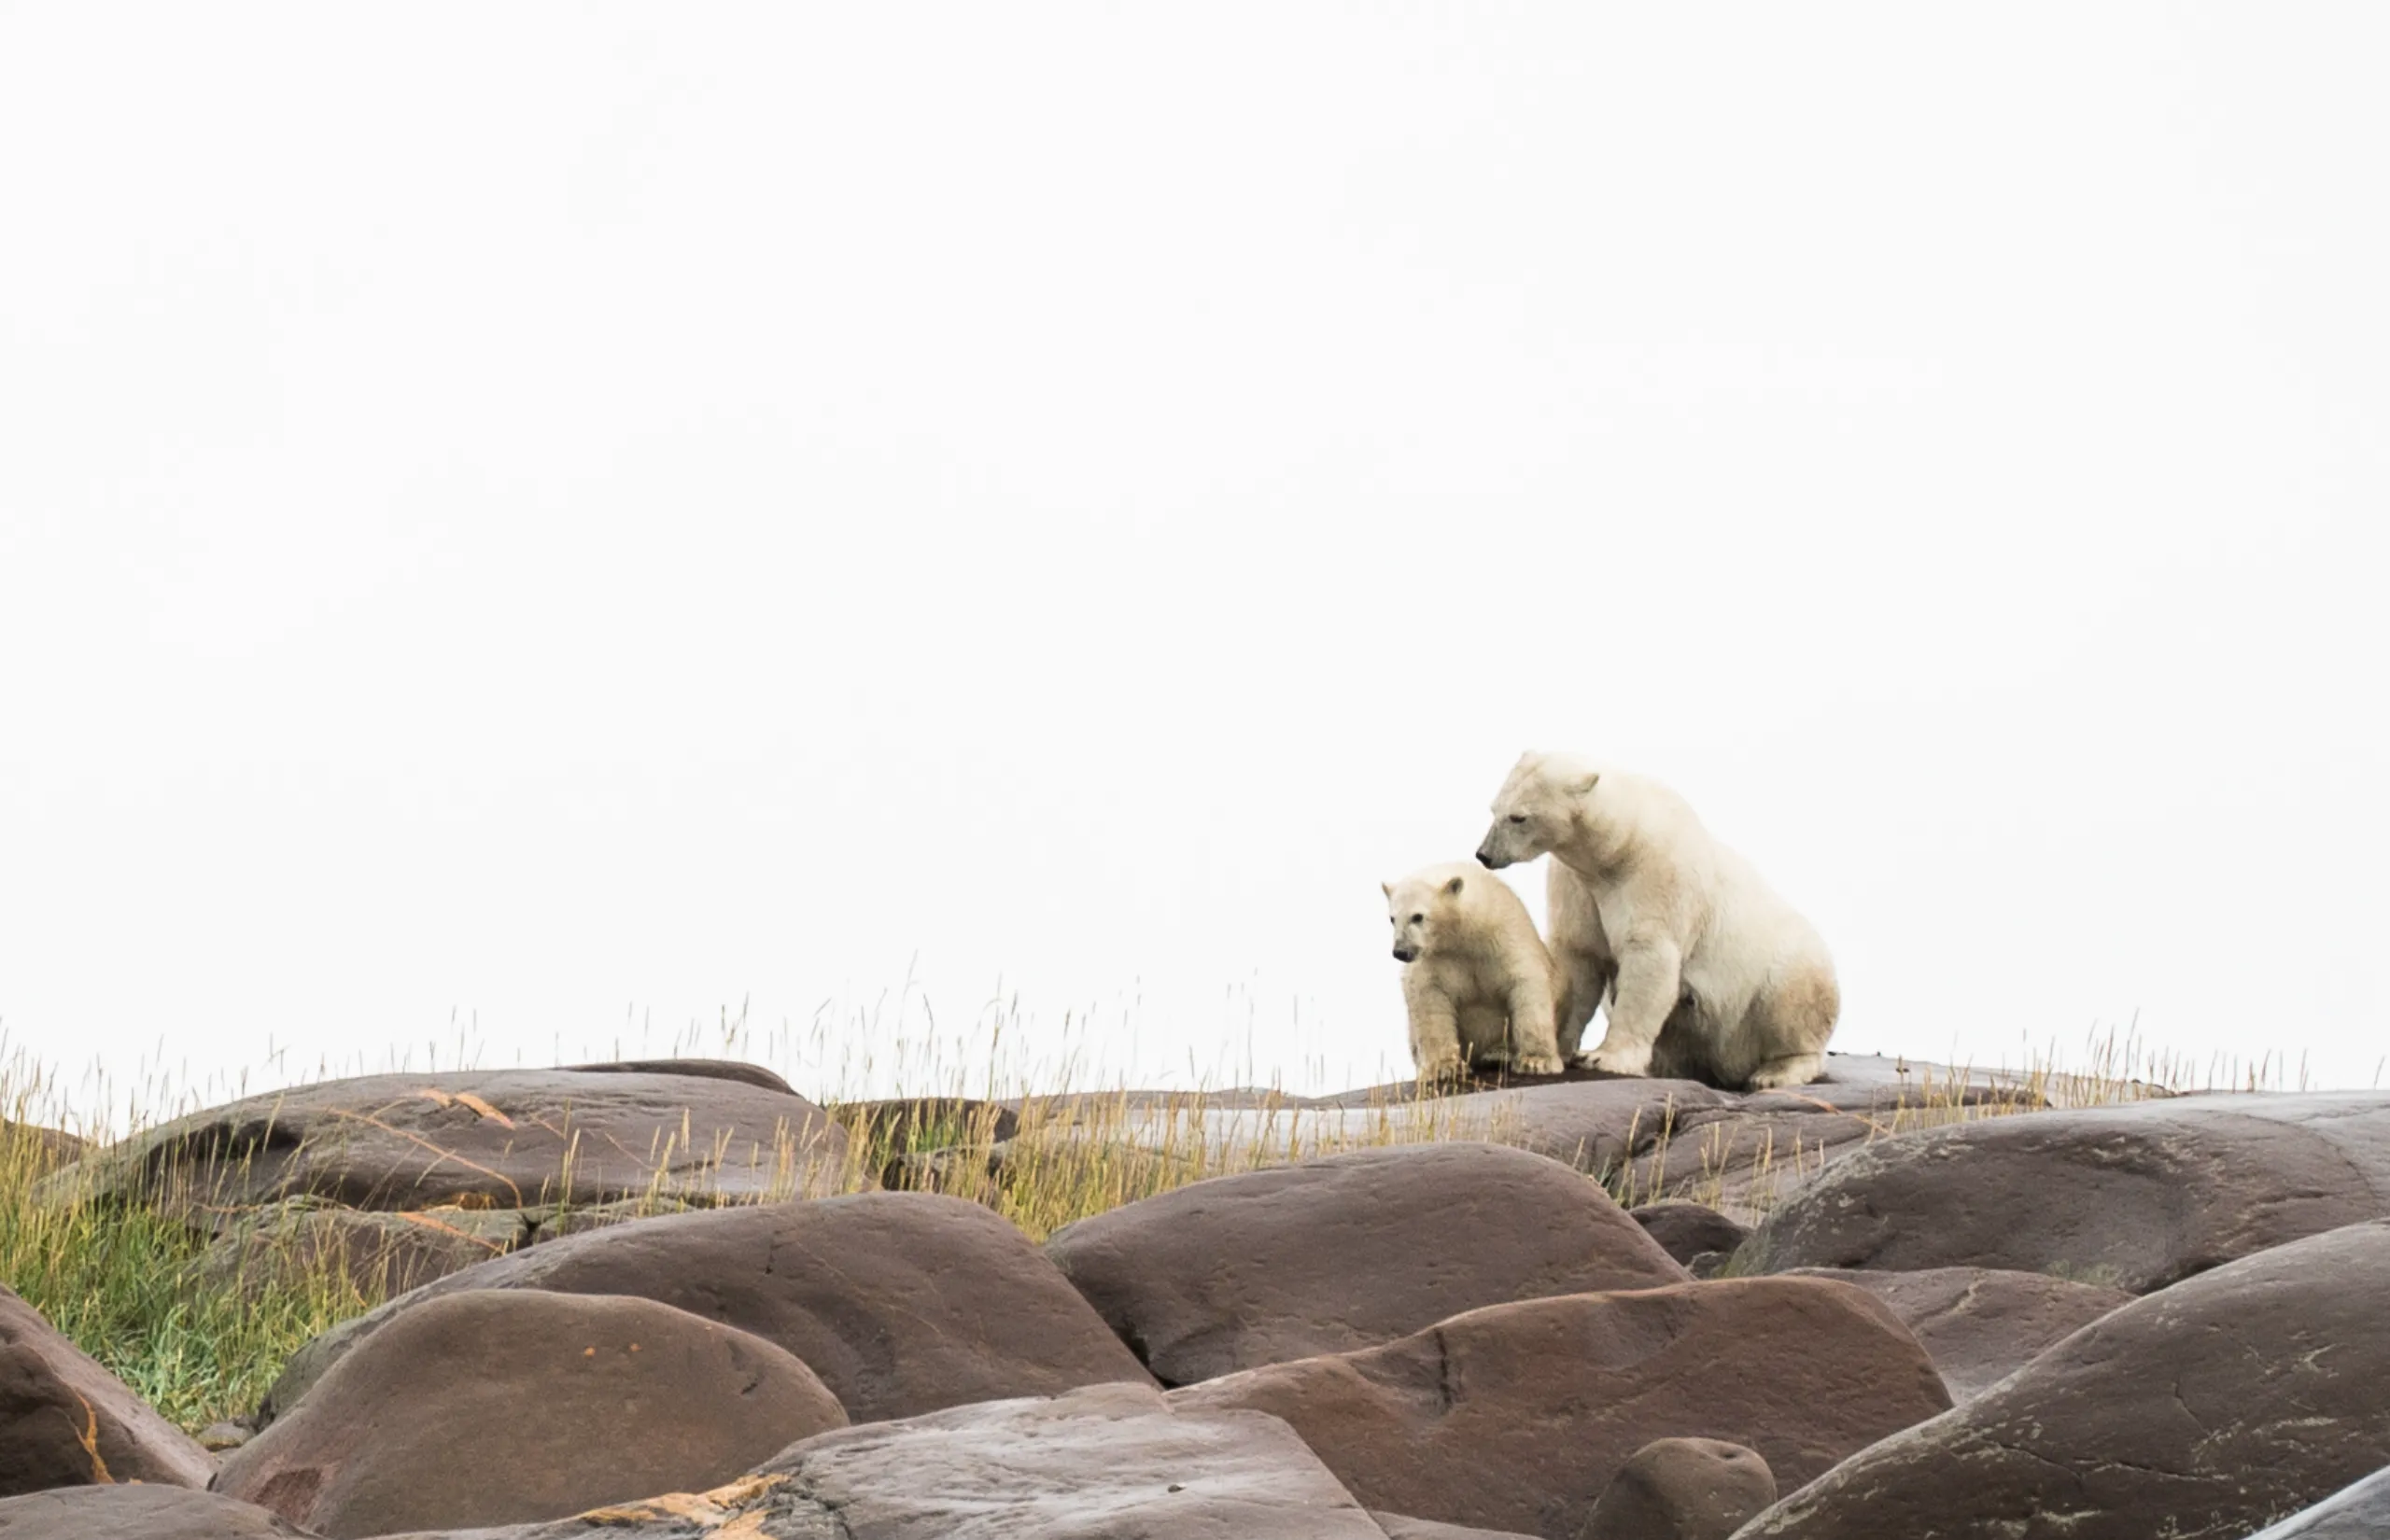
[1585, 784]
[1386, 887]
[1452, 887]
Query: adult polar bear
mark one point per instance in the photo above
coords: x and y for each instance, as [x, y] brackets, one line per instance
[1709, 973]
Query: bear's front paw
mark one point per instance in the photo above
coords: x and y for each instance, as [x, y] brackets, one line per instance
[1440, 1069]
[1536, 1064]
[1618, 1061]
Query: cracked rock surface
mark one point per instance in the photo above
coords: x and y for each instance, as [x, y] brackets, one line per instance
[2360, 1513]
[1982, 1324]
[2202, 1412]
[1517, 1417]
[2134, 1197]
[1105, 1461]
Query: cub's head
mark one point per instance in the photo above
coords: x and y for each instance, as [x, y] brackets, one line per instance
[1419, 905]
[1535, 806]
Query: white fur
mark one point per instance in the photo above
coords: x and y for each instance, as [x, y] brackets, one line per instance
[1475, 974]
[1709, 972]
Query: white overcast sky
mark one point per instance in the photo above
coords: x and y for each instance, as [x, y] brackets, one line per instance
[535, 524]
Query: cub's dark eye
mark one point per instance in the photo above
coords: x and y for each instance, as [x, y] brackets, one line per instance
[1416, 919]
[1518, 818]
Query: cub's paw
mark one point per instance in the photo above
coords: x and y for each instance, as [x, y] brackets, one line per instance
[1536, 1064]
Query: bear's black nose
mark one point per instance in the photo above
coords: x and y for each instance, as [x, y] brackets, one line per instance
[1404, 954]
[1485, 858]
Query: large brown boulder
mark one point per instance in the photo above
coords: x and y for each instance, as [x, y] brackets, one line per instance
[902, 1302]
[2136, 1196]
[1105, 1461]
[2200, 1412]
[497, 1406]
[139, 1512]
[1516, 1416]
[1981, 1324]
[508, 1139]
[1683, 1488]
[1346, 1251]
[65, 1421]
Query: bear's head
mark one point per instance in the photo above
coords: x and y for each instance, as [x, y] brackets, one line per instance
[1418, 906]
[1536, 807]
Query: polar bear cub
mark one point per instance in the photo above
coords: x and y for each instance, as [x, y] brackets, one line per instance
[1474, 974]
[1709, 972]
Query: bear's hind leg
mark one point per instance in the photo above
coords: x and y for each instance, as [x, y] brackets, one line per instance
[1682, 1050]
[1792, 1070]
[1790, 1023]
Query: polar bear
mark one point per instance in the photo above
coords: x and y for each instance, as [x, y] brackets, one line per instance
[1474, 974]
[1709, 972]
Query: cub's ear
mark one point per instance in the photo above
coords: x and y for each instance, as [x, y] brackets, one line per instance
[1386, 887]
[1454, 886]
[1584, 787]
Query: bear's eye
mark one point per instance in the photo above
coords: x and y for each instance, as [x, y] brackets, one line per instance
[1416, 919]
[1518, 818]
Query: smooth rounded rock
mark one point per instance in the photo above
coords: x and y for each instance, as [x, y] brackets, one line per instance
[506, 1138]
[497, 1406]
[902, 1302]
[1683, 1488]
[1346, 1251]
